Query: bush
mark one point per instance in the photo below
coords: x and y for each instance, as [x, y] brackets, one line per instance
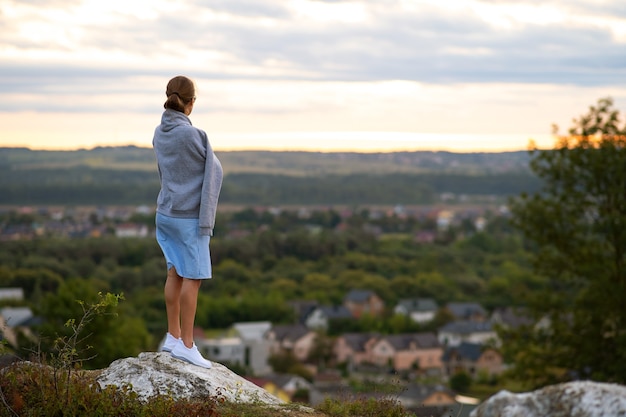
[36, 389]
[460, 382]
[365, 407]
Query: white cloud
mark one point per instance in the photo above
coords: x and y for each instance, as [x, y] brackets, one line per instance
[392, 65]
[326, 40]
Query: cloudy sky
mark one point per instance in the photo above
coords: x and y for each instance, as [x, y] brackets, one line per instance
[459, 75]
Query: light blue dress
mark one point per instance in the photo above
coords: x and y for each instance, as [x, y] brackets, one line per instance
[184, 247]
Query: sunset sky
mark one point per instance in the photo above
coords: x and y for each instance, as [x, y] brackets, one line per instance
[378, 75]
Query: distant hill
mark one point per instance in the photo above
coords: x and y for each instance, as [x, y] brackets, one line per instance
[127, 175]
[132, 158]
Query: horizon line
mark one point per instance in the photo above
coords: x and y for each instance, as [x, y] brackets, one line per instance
[279, 150]
[361, 142]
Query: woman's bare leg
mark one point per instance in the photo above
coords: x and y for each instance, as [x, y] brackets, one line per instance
[188, 304]
[173, 287]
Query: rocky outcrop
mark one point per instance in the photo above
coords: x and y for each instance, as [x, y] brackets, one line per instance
[153, 373]
[572, 399]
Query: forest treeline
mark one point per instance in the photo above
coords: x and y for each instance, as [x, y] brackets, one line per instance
[256, 275]
[128, 176]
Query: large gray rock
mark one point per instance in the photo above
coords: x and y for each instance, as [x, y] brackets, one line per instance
[572, 399]
[153, 373]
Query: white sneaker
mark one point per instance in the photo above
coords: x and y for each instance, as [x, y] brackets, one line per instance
[191, 355]
[169, 343]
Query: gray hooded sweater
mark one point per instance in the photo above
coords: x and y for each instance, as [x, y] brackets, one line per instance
[190, 173]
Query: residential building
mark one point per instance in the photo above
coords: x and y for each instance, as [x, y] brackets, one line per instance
[445, 219]
[257, 348]
[14, 294]
[510, 317]
[473, 359]
[467, 311]
[361, 302]
[416, 396]
[420, 352]
[14, 320]
[296, 339]
[321, 316]
[456, 332]
[243, 344]
[131, 230]
[252, 330]
[354, 348]
[224, 350]
[290, 384]
[271, 387]
[420, 310]
[303, 309]
[16, 316]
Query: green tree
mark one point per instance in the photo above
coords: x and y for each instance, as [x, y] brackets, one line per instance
[577, 226]
[112, 334]
[282, 362]
[460, 382]
[322, 351]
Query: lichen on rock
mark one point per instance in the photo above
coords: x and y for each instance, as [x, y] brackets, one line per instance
[154, 373]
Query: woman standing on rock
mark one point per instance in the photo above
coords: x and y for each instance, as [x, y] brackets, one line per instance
[191, 179]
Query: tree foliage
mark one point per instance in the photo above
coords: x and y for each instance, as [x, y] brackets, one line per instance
[577, 226]
[128, 175]
[111, 332]
[261, 263]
